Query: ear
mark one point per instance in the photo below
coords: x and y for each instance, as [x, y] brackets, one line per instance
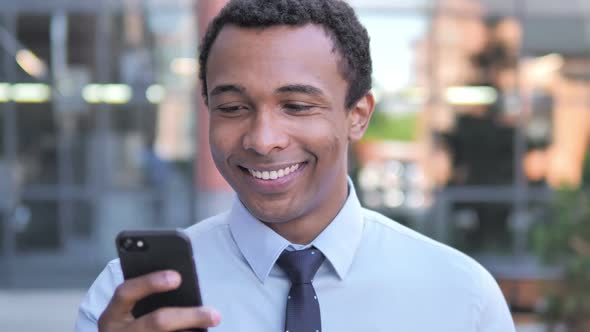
[359, 116]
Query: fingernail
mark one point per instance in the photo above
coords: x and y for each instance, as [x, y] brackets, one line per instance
[214, 316]
[171, 278]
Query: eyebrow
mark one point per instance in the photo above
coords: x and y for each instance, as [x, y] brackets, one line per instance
[300, 88]
[291, 88]
[227, 88]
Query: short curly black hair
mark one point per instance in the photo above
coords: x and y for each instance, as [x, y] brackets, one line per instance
[350, 37]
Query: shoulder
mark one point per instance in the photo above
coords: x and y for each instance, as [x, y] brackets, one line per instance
[449, 272]
[98, 296]
[209, 226]
[392, 230]
[405, 244]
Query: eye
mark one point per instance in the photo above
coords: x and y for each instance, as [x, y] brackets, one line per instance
[298, 107]
[233, 109]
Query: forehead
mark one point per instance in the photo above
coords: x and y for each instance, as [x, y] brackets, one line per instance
[311, 34]
[277, 53]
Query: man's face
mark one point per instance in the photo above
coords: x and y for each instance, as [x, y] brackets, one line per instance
[279, 130]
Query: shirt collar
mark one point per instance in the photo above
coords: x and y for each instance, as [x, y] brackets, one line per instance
[261, 246]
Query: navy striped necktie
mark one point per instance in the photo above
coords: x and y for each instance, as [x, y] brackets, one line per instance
[303, 309]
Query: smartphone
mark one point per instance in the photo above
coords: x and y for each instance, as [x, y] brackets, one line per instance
[145, 251]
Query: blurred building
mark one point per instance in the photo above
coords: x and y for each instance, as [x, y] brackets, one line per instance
[98, 121]
[498, 92]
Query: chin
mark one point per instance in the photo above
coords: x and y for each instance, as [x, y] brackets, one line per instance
[272, 215]
[273, 218]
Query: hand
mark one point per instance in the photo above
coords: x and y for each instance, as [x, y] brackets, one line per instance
[117, 316]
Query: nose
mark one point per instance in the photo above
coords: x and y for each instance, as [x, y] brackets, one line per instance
[265, 134]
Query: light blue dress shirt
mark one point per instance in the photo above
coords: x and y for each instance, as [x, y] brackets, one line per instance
[378, 276]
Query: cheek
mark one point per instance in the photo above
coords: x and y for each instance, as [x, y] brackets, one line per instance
[221, 140]
[327, 138]
[337, 147]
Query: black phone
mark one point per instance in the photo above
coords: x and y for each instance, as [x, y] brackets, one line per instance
[145, 251]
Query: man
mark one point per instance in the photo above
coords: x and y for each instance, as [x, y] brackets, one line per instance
[287, 85]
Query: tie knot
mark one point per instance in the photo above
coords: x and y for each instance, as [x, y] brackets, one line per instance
[301, 265]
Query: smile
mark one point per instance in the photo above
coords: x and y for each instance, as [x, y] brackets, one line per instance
[274, 174]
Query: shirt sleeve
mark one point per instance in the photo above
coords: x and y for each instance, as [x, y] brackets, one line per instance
[495, 315]
[98, 297]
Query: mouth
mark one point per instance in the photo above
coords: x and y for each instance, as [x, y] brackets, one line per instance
[273, 179]
[273, 173]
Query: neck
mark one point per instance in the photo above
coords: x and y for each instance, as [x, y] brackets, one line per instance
[306, 227]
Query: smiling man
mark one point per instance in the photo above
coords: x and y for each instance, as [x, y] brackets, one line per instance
[287, 84]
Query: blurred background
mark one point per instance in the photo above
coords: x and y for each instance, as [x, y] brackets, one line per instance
[479, 140]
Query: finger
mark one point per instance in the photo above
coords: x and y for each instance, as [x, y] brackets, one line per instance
[133, 290]
[174, 319]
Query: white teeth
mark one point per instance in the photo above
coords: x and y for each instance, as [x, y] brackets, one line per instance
[273, 175]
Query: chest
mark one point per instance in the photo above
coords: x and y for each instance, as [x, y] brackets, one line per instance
[355, 304]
